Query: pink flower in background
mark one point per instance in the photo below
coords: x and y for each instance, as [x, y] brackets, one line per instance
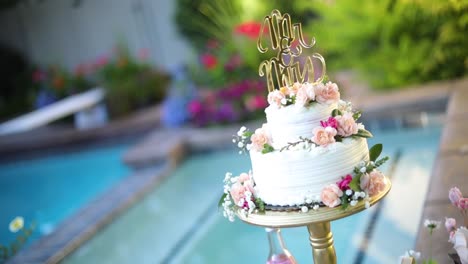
[39, 76]
[331, 195]
[324, 136]
[331, 122]
[143, 54]
[373, 182]
[343, 184]
[234, 62]
[209, 61]
[327, 94]
[275, 97]
[249, 29]
[212, 44]
[346, 125]
[195, 107]
[260, 138]
[450, 224]
[81, 70]
[455, 195]
[101, 61]
[463, 203]
[256, 102]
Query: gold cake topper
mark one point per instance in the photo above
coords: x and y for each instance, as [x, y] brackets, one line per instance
[286, 65]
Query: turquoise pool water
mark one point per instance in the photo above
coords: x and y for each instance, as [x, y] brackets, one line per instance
[48, 189]
[178, 221]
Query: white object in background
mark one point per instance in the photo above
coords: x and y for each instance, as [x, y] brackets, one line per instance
[92, 117]
[459, 241]
[52, 112]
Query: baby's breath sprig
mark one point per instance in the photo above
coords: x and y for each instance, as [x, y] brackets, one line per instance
[241, 139]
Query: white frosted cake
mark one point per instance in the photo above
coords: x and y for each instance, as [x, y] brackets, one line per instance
[312, 151]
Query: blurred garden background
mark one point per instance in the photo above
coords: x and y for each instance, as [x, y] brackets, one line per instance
[52, 49]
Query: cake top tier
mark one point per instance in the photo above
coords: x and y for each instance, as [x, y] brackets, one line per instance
[289, 65]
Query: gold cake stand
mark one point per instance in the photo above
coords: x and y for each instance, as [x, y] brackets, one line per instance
[317, 222]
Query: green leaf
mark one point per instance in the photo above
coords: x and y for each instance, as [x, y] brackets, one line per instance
[221, 200]
[267, 148]
[247, 134]
[336, 112]
[355, 183]
[260, 205]
[363, 133]
[338, 138]
[381, 161]
[375, 152]
[344, 201]
[357, 115]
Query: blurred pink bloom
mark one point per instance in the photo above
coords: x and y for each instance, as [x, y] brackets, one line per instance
[455, 195]
[81, 70]
[209, 61]
[143, 54]
[331, 122]
[450, 224]
[256, 102]
[343, 184]
[195, 107]
[38, 76]
[101, 61]
[212, 44]
[463, 203]
[250, 29]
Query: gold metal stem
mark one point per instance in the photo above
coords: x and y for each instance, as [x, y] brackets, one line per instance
[321, 240]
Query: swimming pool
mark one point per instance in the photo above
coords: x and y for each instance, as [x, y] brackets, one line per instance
[178, 221]
[46, 190]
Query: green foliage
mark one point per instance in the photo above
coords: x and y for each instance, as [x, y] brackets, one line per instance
[355, 183]
[375, 152]
[221, 200]
[336, 112]
[394, 42]
[363, 133]
[267, 148]
[260, 205]
[9, 251]
[131, 84]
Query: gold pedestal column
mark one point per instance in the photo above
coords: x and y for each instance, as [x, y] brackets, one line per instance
[321, 240]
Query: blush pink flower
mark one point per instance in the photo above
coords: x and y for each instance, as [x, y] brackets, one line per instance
[327, 93]
[324, 136]
[450, 224]
[294, 88]
[347, 126]
[373, 182]
[455, 195]
[463, 203]
[331, 122]
[343, 184]
[260, 138]
[301, 98]
[238, 190]
[275, 97]
[331, 195]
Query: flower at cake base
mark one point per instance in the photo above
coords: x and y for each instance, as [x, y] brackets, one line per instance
[344, 183]
[324, 136]
[373, 182]
[331, 195]
[276, 98]
[327, 93]
[260, 138]
[346, 125]
[455, 195]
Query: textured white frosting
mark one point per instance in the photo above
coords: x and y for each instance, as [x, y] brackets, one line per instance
[287, 124]
[291, 176]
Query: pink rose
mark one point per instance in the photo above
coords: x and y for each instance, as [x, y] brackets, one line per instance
[373, 182]
[260, 138]
[463, 203]
[275, 97]
[344, 183]
[346, 125]
[294, 88]
[301, 97]
[331, 195]
[455, 195]
[327, 94]
[310, 91]
[239, 189]
[450, 224]
[243, 178]
[331, 122]
[324, 136]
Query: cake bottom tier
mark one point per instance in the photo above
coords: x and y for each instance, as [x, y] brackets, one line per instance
[295, 177]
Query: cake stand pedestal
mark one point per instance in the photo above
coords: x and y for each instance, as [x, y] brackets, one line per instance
[317, 222]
